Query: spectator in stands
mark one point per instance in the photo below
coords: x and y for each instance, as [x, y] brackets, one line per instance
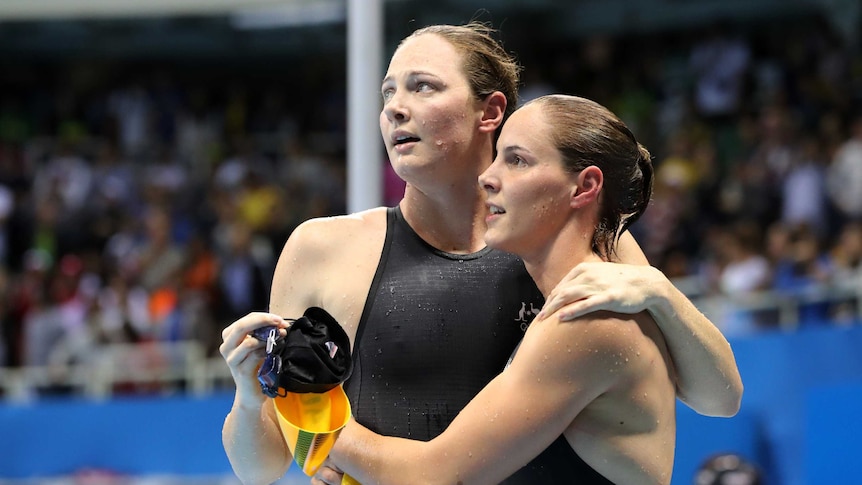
[803, 191]
[739, 268]
[720, 63]
[744, 267]
[131, 108]
[243, 280]
[845, 266]
[121, 312]
[844, 175]
[801, 272]
[159, 256]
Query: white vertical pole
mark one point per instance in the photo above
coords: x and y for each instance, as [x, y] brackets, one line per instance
[364, 71]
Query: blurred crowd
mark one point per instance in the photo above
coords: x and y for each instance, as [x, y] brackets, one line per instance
[757, 139]
[152, 206]
[151, 210]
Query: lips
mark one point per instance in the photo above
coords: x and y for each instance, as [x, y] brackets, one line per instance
[408, 139]
[402, 137]
[494, 211]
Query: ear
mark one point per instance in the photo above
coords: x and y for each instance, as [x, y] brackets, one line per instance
[493, 110]
[588, 186]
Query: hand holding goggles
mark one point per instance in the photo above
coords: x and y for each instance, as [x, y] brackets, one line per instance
[270, 370]
[314, 355]
[302, 372]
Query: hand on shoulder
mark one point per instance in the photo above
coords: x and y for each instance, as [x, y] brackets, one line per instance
[595, 286]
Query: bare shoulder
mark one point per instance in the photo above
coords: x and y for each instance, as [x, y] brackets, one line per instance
[337, 233]
[328, 261]
[599, 343]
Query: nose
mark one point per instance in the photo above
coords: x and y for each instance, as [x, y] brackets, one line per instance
[395, 110]
[488, 179]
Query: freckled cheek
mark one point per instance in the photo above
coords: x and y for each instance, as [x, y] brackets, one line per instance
[544, 206]
[447, 128]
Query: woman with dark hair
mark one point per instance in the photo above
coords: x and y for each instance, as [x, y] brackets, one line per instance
[590, 401]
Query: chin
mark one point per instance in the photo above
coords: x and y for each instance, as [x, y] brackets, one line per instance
[495, 242]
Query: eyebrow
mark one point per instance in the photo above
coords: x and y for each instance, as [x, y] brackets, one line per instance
[409, 75]
[514, 148]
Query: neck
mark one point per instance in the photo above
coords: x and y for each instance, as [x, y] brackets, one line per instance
[447, 208]
[548, 265]
[452, 220]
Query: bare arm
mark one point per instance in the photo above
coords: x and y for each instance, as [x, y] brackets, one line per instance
[506, 425]
[251, 435]
[708, 378]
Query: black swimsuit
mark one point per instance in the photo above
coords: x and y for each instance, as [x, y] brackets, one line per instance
[436, 328]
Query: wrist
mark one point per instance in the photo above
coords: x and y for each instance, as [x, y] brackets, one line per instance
[249, 402]
[659, 298]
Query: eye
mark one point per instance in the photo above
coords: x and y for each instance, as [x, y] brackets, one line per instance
[387, 94]
[518, 161]
[423, 87]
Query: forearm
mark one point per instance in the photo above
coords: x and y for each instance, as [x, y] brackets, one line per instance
[254, 444]
[708, 378]
[475, 449]
[377, 460]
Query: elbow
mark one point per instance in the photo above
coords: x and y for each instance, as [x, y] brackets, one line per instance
[255, 481]
[257, 476]
[723, 405]
[727, 406]
[732, 402]
[724, 409]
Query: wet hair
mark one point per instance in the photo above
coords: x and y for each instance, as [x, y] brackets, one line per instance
[586, 133]
[487, 65]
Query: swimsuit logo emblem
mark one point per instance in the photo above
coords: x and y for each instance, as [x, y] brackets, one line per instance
[523, 313]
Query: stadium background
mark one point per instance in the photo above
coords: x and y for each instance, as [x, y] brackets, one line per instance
[147, 152]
